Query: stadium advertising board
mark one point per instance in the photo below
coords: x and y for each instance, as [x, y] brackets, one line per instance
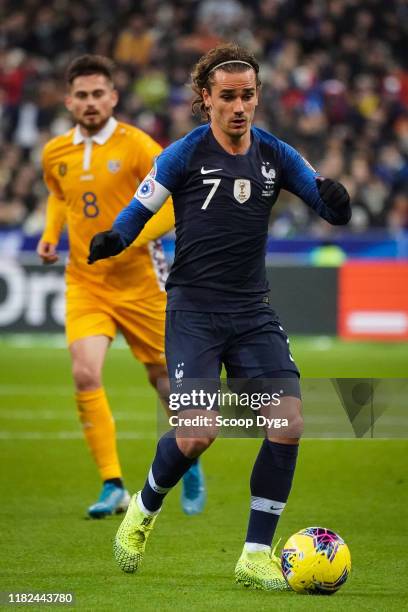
[359, 300]
[31, 297]
[373, 300]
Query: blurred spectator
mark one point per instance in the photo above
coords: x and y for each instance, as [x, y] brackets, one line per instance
[398, 217]
[335, 86]
[134, 44]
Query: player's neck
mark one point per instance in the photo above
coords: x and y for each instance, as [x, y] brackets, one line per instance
[233, 146]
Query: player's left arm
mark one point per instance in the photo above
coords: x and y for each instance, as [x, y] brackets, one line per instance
[327, 197]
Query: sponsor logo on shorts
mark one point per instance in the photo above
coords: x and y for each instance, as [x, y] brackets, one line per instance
[179, 373]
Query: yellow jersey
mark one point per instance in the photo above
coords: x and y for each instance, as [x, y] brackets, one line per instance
[90, 181]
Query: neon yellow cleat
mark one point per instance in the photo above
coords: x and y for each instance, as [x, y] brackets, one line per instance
[260, 570]
[130, 540]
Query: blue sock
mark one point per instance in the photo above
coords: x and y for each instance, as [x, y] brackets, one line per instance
[168, 467]
[271, 481]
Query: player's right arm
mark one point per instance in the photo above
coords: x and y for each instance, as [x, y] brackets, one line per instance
[54, 222]
[129, 223]
[152, 193]
[55, 216]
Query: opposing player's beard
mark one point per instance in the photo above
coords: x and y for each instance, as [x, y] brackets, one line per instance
[93, 126]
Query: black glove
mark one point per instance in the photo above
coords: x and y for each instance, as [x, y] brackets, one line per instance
[333, 193]
[105, 244]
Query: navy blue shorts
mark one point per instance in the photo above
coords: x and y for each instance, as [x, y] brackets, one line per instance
[251, 346]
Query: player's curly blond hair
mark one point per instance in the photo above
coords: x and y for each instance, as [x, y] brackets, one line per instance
[202, 76]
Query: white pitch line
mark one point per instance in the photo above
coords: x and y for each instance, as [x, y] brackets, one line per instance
[68, 435]
[46, 390]
[56, 340]
[54, 415]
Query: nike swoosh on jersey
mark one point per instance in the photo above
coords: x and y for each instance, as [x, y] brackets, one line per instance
[203, 171]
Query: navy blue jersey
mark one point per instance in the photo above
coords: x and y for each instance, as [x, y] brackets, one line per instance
[222, 204]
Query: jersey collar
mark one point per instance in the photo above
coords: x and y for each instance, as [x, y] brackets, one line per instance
[100, 137]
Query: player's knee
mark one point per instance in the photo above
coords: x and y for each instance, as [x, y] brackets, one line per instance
[291, 411]
[86, 377]
[290, 434]
[296, 425]
[156, 374]
[194, 447]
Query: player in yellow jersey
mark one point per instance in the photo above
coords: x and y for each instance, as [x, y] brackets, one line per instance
[91, 173]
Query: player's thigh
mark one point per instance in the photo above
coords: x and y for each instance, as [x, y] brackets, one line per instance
[88, 355]
[260, 346]
[194, 347]
[193, 351]
[87, 315]
[258, 359]
[142, 324]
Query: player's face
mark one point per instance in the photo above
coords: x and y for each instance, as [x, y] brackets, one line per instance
[232, 102]
[91, 100]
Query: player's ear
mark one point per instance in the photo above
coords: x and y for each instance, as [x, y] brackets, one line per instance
[206, 98]
[257, 94]
[68, 102]
[114, 97]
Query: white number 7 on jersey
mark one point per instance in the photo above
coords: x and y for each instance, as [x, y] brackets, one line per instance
[215, 183]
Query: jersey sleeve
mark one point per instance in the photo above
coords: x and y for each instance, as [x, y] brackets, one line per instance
[147, 151]
[299, 177]
[169, 168]
[158, 225]
[163, 179]
[55, 217]
[49, 179]
[145, 170]
[56, 207]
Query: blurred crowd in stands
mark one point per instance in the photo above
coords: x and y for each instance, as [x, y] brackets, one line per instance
[334, 74]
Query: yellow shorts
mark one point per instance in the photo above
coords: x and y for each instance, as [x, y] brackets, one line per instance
[140, 321]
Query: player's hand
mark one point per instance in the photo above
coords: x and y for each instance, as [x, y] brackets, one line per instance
[105, 244]
[47, 252]
[333, 193]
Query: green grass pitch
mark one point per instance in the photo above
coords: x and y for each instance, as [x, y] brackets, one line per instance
[356, 487]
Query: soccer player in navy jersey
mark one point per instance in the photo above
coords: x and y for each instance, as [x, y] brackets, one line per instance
[224, 177]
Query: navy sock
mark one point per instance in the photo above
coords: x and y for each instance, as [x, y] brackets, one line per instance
[118, 482]
[271, 481]
[168, 467]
